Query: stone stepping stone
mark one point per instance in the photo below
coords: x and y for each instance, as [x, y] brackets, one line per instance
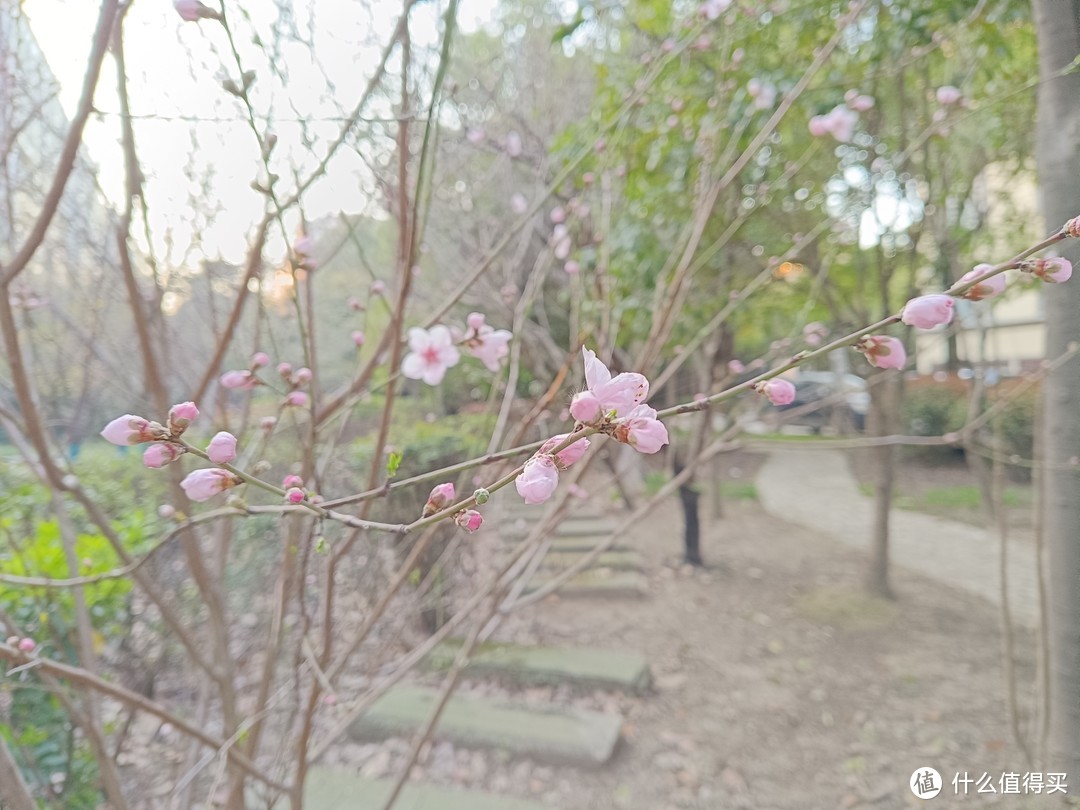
[580, 738]
[617, 560]
[329, 789]
[575, 527]
[579, 544]
[599, 583]
[551, 666]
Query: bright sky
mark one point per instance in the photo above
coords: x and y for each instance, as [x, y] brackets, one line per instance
[175, 70]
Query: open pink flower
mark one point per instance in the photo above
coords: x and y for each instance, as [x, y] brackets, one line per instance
[986, 288]
[883, 351]
[778, 392]
[839, 122]
[1053, 271]
[486, 344]
[238, 379]
[928, 311]
[202, 485]
[441, 496]
[222, 448]
[538, 480]
[431, 353]
[181, 416]
[469, 519]
[642, 430]
[129, 429]
[568, 455]
[620, 393]
[162, 453]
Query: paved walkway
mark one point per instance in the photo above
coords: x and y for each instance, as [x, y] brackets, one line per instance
[816, 489]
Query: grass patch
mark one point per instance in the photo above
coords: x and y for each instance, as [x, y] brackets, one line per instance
[845, 607]
[944, 500]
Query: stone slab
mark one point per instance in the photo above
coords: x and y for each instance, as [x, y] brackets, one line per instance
[329, 789]
[599, 583]
[616, 560]
[581, 738]
[527, 665]
[573, 527]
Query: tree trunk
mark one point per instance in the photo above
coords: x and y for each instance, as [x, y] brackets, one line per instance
[689, 497]
[1058, 156]
[883, 416]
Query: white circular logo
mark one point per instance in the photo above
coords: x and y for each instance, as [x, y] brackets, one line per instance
[925, 783]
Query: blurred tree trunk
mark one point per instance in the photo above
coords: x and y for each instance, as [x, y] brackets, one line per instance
[1058, 156]
[884, 415]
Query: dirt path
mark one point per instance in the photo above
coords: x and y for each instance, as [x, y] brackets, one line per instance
[816, 489]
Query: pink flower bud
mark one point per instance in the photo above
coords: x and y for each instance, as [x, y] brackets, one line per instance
[1052, 271]
[158, 455]
[883, 351]
[577, 491]
[469, 519]
[202, 485]
[538, 480]
[861, 103]
[1072, 228]
[302, 376]
[440, 497]
[558, 214]
[778, 392]
[166, 511]
[284, 369]
[355, 304]
[267, 423]
[642, 430]
[518, 203]
[297, 399]
[475, 321]
[260, 360]
[378, 288]
[572, 268]
[129, 429]
[222, 448]
[567, 455]
[291, 481]
[294, 495]
[818, 126]
[358, 339]
[735, 367]
[948, 95]
[182, 415]
[928, 311]
[815, 333]
[243, 380]
[986, 288]
[193, 10]
[27, 645]
[585, 407]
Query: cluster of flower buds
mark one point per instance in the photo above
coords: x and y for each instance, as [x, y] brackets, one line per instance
[26, 644]
[444, 495]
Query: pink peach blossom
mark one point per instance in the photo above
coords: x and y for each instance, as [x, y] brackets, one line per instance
[267, 423]
[642, 430]
[202, 485]
[440, 497]
[735, 367]
[222, 448]
[778, 392]
[260, 360]
[358, 339]
[355, 304]
[620, 393]
[294, 495]
[284, 369]
[297, 399]
[568, 455]
[181, 416]
[571, 268]
[513, 144]
[166, 511]
[161, 453]
[928, 311]
[302, 376]
[130, 429]
[378, 287]
[27, 645]
[818, 126]
[239, 379]
[948, 95]
[1053, 271]
[486, 343]
[193, 10]
[538, 479]
[860, 103]
[883, 351]
[291, 481]
[518, 203]
[557, 214]
[986, 288]
[815, 333]
[432, 352]
[469, 519]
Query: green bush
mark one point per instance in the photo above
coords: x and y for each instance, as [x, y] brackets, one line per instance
[934, 410]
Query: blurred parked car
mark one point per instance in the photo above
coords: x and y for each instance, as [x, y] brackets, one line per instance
[844, 397]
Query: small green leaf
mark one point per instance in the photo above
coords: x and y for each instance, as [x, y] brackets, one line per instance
[393, 463]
